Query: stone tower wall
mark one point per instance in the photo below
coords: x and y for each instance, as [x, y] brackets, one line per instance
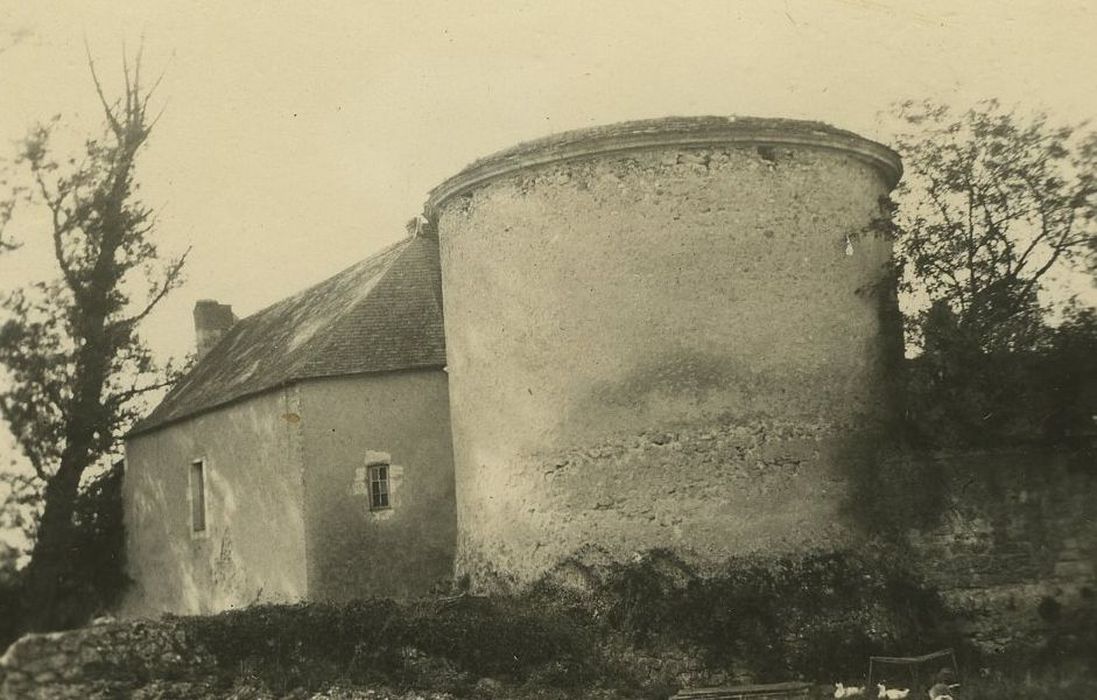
[660, 334]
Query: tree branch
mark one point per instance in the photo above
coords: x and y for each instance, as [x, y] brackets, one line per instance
[170, 278]
[60, 228]
[134, 391]
[112, 120]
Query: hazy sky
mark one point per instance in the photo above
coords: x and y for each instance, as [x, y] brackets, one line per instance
[298, 137]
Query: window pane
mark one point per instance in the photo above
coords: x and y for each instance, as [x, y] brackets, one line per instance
[379, 486]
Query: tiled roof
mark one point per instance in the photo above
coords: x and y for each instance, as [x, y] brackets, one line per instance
[382, 314]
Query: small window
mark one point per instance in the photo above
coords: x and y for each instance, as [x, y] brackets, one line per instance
[198, 496]
[379, 487]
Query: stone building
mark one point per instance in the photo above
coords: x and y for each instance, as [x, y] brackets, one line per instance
[665, 333]
[306, 455]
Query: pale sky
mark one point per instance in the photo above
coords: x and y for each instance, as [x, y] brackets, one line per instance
[298, 137]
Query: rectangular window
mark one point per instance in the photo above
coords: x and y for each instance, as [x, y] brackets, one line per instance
[198, 496]
[379, 486]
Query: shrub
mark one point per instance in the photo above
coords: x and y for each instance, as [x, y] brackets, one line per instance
[451, 642]
[958, 395]
[795, 616]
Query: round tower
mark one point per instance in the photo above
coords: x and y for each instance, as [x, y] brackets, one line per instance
[661, 334]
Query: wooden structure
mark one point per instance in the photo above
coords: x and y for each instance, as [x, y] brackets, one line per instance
[915, 668]
[774, 691]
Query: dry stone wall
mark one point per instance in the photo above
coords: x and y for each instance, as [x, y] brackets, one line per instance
[104, 660]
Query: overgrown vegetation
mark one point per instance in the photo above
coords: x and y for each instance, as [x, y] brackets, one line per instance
[641, 629]
[993, 203]
[1065, 681]
[96, 556]
[959, 395]
[756, 619]
[447, 644]
[788, 617]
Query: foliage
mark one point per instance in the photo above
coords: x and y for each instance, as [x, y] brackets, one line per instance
[9, 602]
[958, 395]
[282, 651]
[797, 616]
[70, 345]
[99, 549]
[450, 643]
[781, 617]
[630, 633]
[1022, 683]
[994, 203]
[97, 557]
[991, 203]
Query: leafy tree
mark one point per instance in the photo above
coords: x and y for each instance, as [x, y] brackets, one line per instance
[992, 203]
[75, 360]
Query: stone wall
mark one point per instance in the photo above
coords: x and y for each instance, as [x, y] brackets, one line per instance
[706, 491]
[104, 660]
[713, 285]
[144, 660]
[1014, 549]
[1012, 544]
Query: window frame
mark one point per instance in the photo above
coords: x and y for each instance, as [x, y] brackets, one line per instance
[199, 465]
[379, 488]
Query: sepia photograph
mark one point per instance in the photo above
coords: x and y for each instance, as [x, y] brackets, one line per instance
[424, 350]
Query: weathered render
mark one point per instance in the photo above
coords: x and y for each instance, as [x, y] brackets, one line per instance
[405, 550]
[254, 490]
[662, 334]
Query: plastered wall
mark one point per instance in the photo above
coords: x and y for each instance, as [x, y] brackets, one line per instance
[661, 347]
[406, 549]
[253, 549]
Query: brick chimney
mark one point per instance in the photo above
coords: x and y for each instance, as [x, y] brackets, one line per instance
[211, 321]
